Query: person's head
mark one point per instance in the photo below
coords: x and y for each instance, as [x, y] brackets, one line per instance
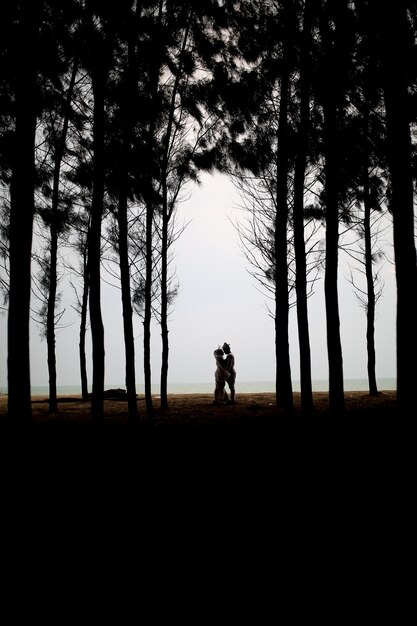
[218, 352]
[226, 348]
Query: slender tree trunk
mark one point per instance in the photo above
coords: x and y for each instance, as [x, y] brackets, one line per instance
[307, 406]
[334, 347]
[149, 251]
[21, 217]
[127, 304]
[370, 285]
[395, 62]
[83, 331]
[50, 319]
[332, 158]
[166, 216]
[283, 371]
[94, 251]
[164, 298]
[127, 124]
[55, 227]
[147, 318]
[370, 313]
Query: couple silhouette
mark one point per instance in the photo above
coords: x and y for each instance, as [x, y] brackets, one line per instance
[225, 373]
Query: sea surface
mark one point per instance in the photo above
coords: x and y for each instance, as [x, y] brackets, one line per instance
[350, 384]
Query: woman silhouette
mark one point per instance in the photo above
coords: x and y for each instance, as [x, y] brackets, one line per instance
[220, 376]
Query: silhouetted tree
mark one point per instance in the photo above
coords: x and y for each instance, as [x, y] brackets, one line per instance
[397, 49]
[121, 142]
[302, 154]
[335, 38]
[55, 217]
[25, 28]
[187, 128]
[97, 56]
[81, 227]
[367, 165]
[254, 100]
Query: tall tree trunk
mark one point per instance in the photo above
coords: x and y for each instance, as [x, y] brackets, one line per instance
[370, 311]
[331, 103]
[127, 304]
[283, 372]
[55, 227]
[50, 316]
[149, 250]
[166, 217]
[164, 298]
[21, 216]
[164, 316]
[147, 317]
[94, 251]
[123, 240]
[83, 330]
[307, 406]
[395, 62]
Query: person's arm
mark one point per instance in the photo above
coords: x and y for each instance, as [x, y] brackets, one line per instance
[221, 365]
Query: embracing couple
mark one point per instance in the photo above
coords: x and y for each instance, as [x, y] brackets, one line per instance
[225, 373]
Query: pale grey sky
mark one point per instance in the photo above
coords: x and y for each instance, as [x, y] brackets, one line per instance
[219, 301]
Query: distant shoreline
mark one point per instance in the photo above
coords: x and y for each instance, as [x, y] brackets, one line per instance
[199, 410]
[350, 384]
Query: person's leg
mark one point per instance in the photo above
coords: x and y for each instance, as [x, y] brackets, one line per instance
[220, 394]
[231, 384]
[225, 396]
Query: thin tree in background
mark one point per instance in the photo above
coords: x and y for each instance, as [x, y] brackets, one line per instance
[368, 157]
[188, 127]
[167, 209]
[81, 227]
[150, 196]
[57, 220]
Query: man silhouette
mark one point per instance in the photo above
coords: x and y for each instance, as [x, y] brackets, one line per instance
[229, 364]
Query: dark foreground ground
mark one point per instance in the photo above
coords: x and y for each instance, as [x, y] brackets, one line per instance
[245, 475]
[254, 426]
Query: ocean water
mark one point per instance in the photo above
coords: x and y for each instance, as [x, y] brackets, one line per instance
[350, 384]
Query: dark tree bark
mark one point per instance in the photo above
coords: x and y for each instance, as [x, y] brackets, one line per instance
[332, 97]
[55, 229]
[83, 329]
[283, 372]
[166, 217]
[127, 304]
[164, 298]
[147, 317]
[370, 312]
[21, 214]
[149, 247]
[94, 250]
[370, 286]
[307, 406]
[395, 51]
[127, 116]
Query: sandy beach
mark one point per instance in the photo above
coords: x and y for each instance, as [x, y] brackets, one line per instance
[198, 410]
